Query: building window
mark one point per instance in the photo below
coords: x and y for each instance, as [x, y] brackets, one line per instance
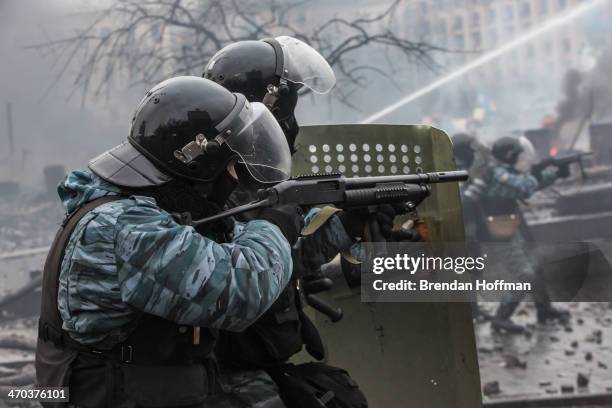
[423, 7]
[492, 37]
[562, 4]
[525, 10]
[476, 19]
[491, 17]
[543, 7]
[425, 29]
[458, 23]
[476, 39]
[442, 32]
[508, 13]
[458, 42]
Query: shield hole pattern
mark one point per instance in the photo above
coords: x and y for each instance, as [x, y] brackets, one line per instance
[364, 159]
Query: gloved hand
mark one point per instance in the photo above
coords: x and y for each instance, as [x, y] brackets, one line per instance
[381, 220]
[288, 217]
[563, 171]
[536, 171]
[406, 235]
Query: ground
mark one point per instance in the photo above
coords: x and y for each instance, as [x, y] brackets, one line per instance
[549, 357]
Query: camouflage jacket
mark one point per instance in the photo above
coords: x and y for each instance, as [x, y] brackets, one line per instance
[129, 256]
[504, 181]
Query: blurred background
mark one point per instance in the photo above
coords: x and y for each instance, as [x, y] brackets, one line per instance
[73, 72]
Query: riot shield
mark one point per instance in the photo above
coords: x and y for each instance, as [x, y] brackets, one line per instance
[401, 354]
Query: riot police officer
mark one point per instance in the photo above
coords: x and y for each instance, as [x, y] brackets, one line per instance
[132, 299]
[503, 186]
[272, 71]
[469, 155]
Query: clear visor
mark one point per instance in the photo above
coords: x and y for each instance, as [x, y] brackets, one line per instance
[261, 144]
[303, 65]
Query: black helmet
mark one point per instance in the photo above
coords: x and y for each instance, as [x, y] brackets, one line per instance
[246, 67]
[463, 149]
[191, 128]
[252, 67]
[507, 149]
[271, 71]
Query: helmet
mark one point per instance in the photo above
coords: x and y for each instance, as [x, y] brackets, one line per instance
[507, 149]
[271, 71]
[463, 150]
[247, 67]
[190, 128]
[251, 67]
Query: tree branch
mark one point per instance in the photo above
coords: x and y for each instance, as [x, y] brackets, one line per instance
[146, 41]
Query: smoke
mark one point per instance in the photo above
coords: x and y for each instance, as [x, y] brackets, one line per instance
[50, 126]
[602, 88]
[587, 97]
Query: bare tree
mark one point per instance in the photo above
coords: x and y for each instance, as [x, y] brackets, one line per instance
[149, 40]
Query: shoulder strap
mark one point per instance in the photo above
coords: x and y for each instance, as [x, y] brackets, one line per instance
[50, 322]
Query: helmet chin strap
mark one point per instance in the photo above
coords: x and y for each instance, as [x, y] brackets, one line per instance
[223, 187]
[274, 94]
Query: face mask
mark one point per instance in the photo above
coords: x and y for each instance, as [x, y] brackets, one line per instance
[178, 196]
[464, 159]
[290, 129]
[513, 157]
[222, 188]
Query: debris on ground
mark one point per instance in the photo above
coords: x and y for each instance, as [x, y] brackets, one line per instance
[511, 361]
[553, 357]
[582, 380]
[491, 388]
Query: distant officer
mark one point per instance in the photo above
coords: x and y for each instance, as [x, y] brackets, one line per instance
[503, 187]
[469, 156]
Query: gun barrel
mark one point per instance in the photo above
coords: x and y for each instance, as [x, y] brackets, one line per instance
[356, 191]
[429, 178]
[568, 158]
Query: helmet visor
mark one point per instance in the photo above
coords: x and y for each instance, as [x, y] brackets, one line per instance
[528, 156]
[303, 65]
[261, 145]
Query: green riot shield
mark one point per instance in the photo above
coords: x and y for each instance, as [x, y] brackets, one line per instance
[401, 354]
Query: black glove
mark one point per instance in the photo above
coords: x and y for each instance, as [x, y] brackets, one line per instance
[289, 218]
[536, 171]
[563, 171]
[381, 221]
[406, 235]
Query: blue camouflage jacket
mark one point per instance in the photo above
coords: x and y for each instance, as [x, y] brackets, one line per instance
[506, 182]
[129, 256]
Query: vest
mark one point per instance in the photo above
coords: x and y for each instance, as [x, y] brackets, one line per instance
[160, 364]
